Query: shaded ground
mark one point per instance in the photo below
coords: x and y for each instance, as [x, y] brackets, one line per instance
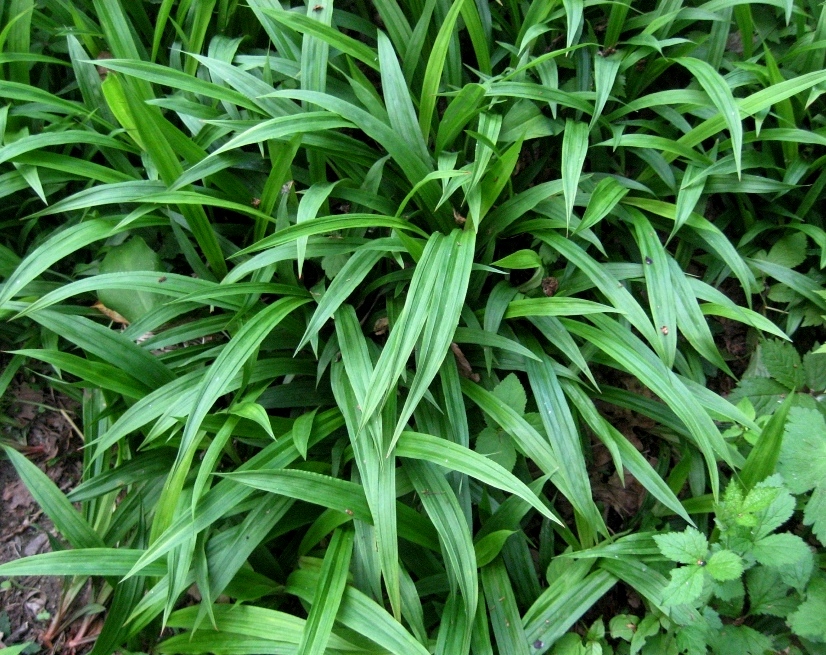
[40, 423]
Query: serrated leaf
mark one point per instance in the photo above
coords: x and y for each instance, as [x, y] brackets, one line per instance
[685, 547]
[685, 586]
[790, 251]
[511, 392]
[498, 446]
[814, 365]
[725, 565]
[807, 621]
[781, 549]
[783, 363]
[739, 640]
[815, 513]
[802, 461]
[765, 394]
[767, 593]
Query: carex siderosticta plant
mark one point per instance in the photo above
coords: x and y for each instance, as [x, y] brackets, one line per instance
[404, 326]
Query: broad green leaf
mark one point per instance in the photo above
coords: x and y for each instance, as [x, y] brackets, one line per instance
[489, 546]
[435, 66]
[660, 289]
[95, 560]
[59, 245]
[441, 451]
[604, 198]
[232, 357]
[724, 565]
[687, 547]
[555, 306]
[362, 615]
[133, 255]
[763, 458]
[574, 150]
[110, 345]
[441, 506]
[332, 581]
[330, 35]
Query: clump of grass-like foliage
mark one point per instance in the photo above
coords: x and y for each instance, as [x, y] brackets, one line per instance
[364, 303]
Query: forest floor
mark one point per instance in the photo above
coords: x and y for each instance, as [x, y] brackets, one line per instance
[42, 424]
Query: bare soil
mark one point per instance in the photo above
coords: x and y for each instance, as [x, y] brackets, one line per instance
[42, 425]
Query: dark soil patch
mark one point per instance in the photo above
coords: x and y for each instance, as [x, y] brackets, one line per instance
[39, 423]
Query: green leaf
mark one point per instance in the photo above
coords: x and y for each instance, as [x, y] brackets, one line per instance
[435, 66]
[330, 35]
[763, 458]
[521, 259]
[780, 549]
[574, 149]
[498, 446]
[332, 581]
[725, 565]
[815, 513]
[802, 461]
[783, 363]
[229, 362]
[398, 100]
[133, 255]
[110, 345]
[511, 392]
[814, 365]
[350, 276]
[685, 586]
[362, 615]
[623, 626]
[789, 251]
[459, 458]
[686, 547]
[489, 546]
[604, 198]
[768, 594]
[442, 507]
[302, 429]
[721, 95]
[661, 297]
[502, 609]
[55, 248]
[107, 562]
[807, 621]
[739, 640]
[254, 412]
[556, 306]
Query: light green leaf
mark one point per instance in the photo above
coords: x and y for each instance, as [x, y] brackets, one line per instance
[725, 565]
[685, 547]
[574, 149]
